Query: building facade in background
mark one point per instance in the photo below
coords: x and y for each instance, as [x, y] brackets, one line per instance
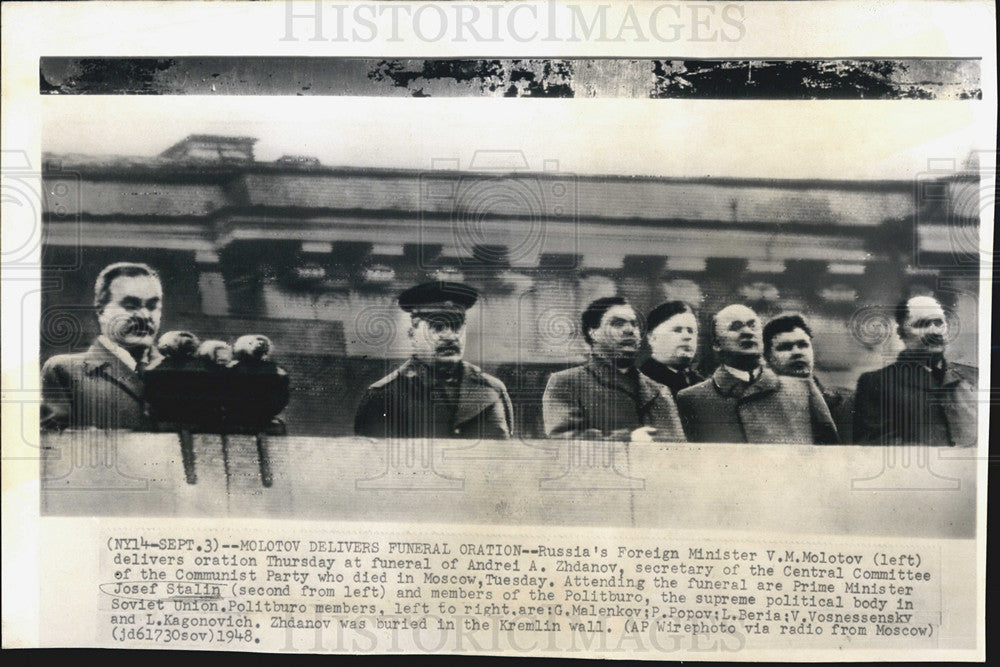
[313, 256]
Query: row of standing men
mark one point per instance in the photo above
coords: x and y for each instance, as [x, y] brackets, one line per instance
[764, 389]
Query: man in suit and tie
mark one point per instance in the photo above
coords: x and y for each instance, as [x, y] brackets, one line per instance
[744, 400]
[608, 398]
[102, 387]
[436, 394]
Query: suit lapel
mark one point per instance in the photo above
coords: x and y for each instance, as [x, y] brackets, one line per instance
[474, 395]
[649, 391]
[824, 426]
[910, 373]
[953, 376]
[609, 377]
[915, 370]
[101, 362]
[725, 383]
[730, 385]
[412, 386]
[414, 372]
[767, 383]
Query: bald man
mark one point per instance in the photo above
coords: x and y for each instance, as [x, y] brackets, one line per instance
[922, 398]
[744, 400]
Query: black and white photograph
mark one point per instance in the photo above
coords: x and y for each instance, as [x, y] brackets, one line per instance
[388, 303]
[320, 336]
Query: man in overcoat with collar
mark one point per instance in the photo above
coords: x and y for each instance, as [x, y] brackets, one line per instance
[744, 401]
[102, 387]
[921, 398]
[436, 393]
[608, 398]
[672, 332]
[788, 350]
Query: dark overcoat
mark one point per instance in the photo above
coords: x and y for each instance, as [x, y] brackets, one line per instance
[772, 409]
[92, 388]
[673, 380]
[402, 405]
[903, 403]
[840, 402]
[598, 401]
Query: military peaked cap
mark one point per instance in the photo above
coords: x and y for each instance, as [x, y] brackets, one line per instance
[440, 295]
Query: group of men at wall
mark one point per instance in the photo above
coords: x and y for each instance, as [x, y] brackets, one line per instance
[763, 391]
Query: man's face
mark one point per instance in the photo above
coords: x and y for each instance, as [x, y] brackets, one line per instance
[674, 341]
[132, 316]
[617, 336]
[926, 327]
[737, 332]
[438, 336]
[792, 353]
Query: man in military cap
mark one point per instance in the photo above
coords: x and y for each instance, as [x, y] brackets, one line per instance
[435, 393]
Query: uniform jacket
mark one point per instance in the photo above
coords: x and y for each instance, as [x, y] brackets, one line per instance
[668, 377]
[402, 405]
[598, 401]
[771, 409]
[904, 404]
[92, 388]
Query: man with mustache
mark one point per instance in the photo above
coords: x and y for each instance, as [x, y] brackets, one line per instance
[102, 387]
[672, 333]
[921, 398]
[608, 398]
[745, 401]
[788, 350]
[436, 394]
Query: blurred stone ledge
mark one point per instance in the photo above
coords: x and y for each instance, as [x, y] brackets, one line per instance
[849, 490]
